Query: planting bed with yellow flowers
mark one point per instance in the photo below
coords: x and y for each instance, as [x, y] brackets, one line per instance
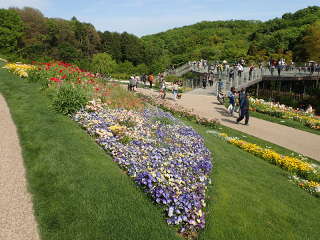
[303, 173]
[19, 68]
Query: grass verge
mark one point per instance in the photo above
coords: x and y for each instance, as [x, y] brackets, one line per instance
[252, 199]
[78, 191]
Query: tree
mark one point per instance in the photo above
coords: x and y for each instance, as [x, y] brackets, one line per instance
[67, 52]
[142, 68]
[103, 63]
[311, 42]
[10, 30]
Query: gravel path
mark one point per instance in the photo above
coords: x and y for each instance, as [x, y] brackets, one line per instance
[296, 140]
[17, 221]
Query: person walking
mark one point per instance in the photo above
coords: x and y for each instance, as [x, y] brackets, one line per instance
[211, 79]
[132, 83]
[240, 98]
[251, 71]
[244, 109]
[231, 96]
[204, 82]
[137, 81]
[150, 79]
[163, 89]
[175, 89]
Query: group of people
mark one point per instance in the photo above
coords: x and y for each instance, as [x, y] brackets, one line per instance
[164, 88]
[277, 64]
[199, 65]
[136, 80]
[239, 102]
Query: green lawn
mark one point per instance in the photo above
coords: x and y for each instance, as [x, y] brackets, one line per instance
[252, 199]
[79, 193]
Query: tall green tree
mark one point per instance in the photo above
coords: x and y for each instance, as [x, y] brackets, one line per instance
[103, 63]
[11, 29]
[311, 42]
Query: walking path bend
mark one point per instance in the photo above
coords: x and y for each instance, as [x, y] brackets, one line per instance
[207, 106]
[17, 221]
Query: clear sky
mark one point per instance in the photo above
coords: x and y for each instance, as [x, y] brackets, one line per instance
[142, 17]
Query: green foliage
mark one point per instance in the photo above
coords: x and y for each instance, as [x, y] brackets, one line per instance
[121, 76]
[173, 78]
[207, 40]
[127, 123]
[69, 99]
[142, 69]
[10, 30]
[290, 36]
[103, 63]
[311, 42]
[67, 52]
[125, 67]
[41, 77]
[125, 139]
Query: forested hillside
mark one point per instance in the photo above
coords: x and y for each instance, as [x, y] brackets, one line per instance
[287, 36]
[208, 40]
[26, 34]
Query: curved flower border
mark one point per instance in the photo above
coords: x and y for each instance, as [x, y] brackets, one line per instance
[304, 174]
[164, 156]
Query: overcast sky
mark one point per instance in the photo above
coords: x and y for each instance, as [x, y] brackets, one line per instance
[142, 17]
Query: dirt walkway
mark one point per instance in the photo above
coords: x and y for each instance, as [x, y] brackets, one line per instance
[16, 214]
[296, 140]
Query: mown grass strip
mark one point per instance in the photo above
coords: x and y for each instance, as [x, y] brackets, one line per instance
[78, 191]
[251, 199]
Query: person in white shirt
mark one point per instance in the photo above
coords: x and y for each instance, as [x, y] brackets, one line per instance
[175, 89]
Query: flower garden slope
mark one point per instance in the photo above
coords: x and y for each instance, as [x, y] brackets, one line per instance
[162, 154]
[78, 191]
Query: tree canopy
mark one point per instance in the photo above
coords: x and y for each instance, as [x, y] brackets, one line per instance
[27, 34]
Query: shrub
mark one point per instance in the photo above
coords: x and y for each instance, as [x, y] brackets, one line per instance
[69, 99]
[173, 78]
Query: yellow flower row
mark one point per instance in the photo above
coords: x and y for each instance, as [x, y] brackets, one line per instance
[309, 184]
[290, 163]
[19, 69]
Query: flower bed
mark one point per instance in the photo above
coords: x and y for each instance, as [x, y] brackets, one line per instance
[19, 69]
[284, 112]
[167, 158]
[160, 153]
[310, 186]
[309, 174]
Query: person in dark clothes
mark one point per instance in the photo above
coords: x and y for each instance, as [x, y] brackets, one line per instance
[244, 109]
[240, 97]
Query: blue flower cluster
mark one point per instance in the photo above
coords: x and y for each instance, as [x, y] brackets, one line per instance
[166, 157]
